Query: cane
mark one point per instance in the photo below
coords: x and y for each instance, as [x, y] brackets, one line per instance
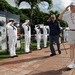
[64, 48]
[63, 45]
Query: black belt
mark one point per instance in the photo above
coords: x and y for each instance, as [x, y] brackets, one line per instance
[72, 29]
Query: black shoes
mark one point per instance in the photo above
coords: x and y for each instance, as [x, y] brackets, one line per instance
[28, 52]
[39, 49]
[59, 52]
[45, 47]
[14, 56]
[55, 53]
[52, 54]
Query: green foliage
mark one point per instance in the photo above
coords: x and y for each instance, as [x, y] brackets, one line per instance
[34, 3]
[4, 6]
[63, 23]
[35, 14]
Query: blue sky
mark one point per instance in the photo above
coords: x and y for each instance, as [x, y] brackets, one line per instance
[57, 5]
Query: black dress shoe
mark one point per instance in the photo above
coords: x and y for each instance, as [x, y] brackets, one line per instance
[59, 52]
[26, 52]
[45, 47]
[15, 55]
[12, 57]
[30, 52]
[52, 54]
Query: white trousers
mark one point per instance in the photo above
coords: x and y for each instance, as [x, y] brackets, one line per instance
[45, 40]
[12, 42]
[38, 38]
[27, 43]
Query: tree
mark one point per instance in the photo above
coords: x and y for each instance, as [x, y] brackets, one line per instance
[33, 3]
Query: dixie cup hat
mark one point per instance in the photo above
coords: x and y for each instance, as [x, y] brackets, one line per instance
[26, 21]
[11, 20]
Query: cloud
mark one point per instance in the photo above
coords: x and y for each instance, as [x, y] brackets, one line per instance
[24, 5]
[11, 2]
[57, 5]
[44, 6]
[60, 4]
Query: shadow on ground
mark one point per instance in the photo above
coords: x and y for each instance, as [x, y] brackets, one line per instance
[23, 60]
[53, 72]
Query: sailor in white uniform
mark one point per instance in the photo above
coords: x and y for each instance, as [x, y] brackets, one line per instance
[38, 36]
[12, 37]
[27, 31]
[45, 36]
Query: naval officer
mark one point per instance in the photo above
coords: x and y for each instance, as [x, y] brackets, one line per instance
[27, 31]
[38, 36]
[45, 36]
[12, 37]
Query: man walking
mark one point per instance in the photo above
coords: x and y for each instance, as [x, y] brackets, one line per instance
[55, 32]
[38, 36]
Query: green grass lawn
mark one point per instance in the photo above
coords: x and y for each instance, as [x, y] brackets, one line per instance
[4, 54]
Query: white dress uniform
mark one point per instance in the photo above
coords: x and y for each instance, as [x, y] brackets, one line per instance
[45, 36]
[27, 31]
[71, 25]
[38, 37]
[12, 38]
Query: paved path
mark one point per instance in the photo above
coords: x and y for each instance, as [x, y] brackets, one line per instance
[38, 63]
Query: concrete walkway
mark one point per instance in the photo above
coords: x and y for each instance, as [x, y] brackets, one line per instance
[38, 62]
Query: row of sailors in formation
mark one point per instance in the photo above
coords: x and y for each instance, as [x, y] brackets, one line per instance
[27, 31]
[12, 34]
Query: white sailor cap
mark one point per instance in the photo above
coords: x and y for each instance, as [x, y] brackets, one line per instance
[26, 21]
[11, 20]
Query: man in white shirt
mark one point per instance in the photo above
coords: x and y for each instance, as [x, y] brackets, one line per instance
[27, 31]
[45, 36]
[38, 36]
[70, 19]
[12, 37]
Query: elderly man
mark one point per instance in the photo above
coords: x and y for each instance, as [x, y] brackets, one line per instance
[55, 32]
[45, 36]
[27, 31]
[70, 19]
[38, 36]
[12, 37]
